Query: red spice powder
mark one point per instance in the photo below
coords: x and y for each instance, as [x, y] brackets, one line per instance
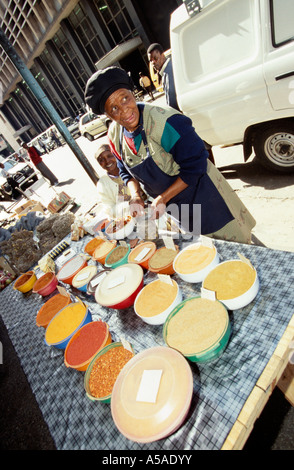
[86, 343]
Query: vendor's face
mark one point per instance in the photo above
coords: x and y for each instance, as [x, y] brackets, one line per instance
[108, 162]
[157, 59]
[121, 106]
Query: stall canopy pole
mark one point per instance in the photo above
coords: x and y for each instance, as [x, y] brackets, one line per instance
[46, 104]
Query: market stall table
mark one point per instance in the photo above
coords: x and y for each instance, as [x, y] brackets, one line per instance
[228, 394]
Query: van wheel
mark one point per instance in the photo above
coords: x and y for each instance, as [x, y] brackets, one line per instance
[89, 136]
[274, 147]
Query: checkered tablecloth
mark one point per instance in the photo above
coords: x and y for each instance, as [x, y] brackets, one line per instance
[220, 388]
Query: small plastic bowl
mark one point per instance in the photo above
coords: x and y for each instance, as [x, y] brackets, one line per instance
[50, 308]
[102, 250]
[86, 343]
[135, 255]
[107, 398]
[93, 283]
[46, 284]
[115, 255]
[86, 317]
[164, 268]
[71, 268]
[201, 270]
[83, 277]
[91, 246]
[25, 282]
[119, 289]
[244, 298]
[122, 232]
[160, 317]
[218, 332]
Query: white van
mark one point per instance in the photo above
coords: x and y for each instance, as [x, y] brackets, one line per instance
[233, 63]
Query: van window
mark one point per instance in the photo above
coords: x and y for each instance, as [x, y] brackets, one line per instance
[282, 19]
[223, 38]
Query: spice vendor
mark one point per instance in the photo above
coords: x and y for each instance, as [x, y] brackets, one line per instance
[158, 148]
[111, 189]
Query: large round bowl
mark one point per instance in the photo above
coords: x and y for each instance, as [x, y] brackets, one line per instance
[46, 284]
[152, 395]
[142, 253]
[83, 277]
[195, 261]
[120, 287]
[234, 282]
[71, 268]
[64, 325]
[110, 360]
[118, 256]
[25, 282]
[85, 344]
[50, 308]
[162, 260]
[156, 300]
[120, 229]
[103, 250]
[198, 328]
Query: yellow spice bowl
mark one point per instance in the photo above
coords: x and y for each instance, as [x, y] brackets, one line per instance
[150, 299]
[25, 282]
[229, 273]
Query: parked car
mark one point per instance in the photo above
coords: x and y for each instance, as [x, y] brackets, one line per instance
[92, 125]
[20, 172]
[234, 76]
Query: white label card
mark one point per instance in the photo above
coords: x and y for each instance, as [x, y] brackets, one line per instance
[116, 282]
[149, 386]
[169, 243]
[165, 278]
[245, 260]
[208, 294]
[142, 254]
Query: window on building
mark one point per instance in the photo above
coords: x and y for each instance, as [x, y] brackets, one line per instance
[88, 37]
[116, 19]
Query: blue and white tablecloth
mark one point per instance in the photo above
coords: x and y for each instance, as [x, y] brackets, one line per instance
[220, 388]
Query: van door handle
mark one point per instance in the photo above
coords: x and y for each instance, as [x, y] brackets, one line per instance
[285, 75]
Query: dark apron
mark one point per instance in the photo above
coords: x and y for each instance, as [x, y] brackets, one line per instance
[214, 213]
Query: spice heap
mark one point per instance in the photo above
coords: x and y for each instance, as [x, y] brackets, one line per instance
[117, 254]
[106, 369]
[90, 339]
[162, 258]
[194, 259]
[65, 323]
[155, 298]
[50, 308]
[197, 326]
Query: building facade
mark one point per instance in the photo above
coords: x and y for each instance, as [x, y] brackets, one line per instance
[63, 42]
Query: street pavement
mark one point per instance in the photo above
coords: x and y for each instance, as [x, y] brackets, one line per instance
[268, 195]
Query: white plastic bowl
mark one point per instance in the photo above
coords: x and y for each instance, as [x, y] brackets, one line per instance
[198, 275]
[244, 299]
[160, 318]
[121, 233]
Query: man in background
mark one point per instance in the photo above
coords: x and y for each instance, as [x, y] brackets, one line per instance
[164, 67]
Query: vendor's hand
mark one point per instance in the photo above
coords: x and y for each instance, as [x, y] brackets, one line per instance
[137, 206]
[158, 208]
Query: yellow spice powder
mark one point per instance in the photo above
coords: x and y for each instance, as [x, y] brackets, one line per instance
[194, 259]
[103, 249]
[230, 280]
[155, 298]
[197, 326]
[65, 323]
